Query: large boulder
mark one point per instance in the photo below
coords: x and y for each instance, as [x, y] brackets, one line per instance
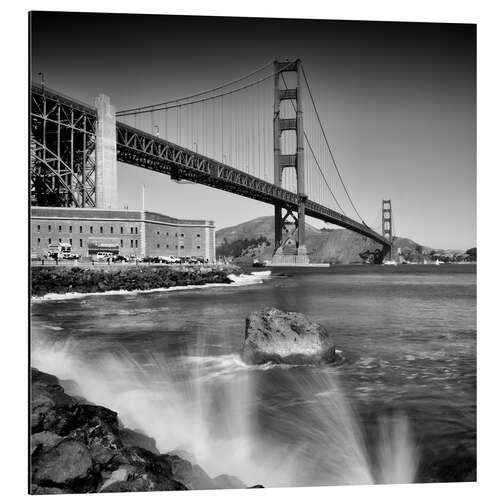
[51, 407]
[63, 465]
[272, 335]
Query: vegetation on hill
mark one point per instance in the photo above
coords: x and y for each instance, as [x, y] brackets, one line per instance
[237, 248]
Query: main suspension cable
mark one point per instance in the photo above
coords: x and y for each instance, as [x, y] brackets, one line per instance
[330, 149]
[180, 105]
[227, 84]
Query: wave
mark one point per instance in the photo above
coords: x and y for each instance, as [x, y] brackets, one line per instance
[210, 406]
[256, 278]
[209, 367]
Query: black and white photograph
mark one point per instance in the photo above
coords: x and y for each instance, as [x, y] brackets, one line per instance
[252, 252]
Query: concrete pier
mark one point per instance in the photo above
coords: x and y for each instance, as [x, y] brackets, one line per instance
[105, 154]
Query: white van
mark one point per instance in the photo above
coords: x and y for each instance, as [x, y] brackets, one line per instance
[103, 255]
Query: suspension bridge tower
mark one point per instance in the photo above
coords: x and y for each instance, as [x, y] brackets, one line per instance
[387, 225]
[289, 228]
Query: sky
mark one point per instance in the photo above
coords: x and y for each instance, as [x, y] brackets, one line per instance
[397, 100]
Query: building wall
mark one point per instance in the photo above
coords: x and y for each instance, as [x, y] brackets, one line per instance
[137, 233]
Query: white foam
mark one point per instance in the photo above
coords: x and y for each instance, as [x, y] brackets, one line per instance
[237, 280]
[181, 404]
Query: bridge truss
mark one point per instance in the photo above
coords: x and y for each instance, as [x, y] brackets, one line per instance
[62, 144]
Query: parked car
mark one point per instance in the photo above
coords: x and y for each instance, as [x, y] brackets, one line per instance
[103, 255]
[120, 258]
[71, 256]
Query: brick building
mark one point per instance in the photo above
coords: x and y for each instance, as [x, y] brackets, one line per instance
[133, 232]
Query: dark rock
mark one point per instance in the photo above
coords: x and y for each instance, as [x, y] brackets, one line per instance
[44, 440]
[143, 483]
[51, 408]
[83, 448]
[48, 490]
[135, 438]
[63, 279]
[62, 465]
[276, 336]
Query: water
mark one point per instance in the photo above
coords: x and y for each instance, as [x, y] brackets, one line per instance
[398, 406]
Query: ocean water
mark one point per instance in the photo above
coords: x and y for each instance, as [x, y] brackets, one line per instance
[398, 405]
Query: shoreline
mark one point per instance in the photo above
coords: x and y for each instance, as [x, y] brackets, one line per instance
[236, 280]
[77, 280]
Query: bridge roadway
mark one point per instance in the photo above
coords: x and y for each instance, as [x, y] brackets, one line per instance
[141, 149]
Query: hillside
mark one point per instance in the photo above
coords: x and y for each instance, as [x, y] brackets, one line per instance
[262, 226]
[339, 246]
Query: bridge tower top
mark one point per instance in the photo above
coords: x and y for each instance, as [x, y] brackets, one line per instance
[387, 220]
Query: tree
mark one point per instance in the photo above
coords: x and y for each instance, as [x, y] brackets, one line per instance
[472, 253]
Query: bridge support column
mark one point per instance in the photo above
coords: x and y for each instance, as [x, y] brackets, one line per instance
[302, 257]
[105, 154]
[387, 228]
[289, 231]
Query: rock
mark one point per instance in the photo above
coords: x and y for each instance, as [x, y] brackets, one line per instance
[225, 481]
[83, 448]
[135, 438]
[44, 441]
[51, 408]
[43, 490]
[193, 476]
[62, 465]
[143, 483]
[71, 387]
[119, 475]
[65, 279]
[272, 335]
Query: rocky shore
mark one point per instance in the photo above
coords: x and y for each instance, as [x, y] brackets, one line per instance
[46, 280]
[78, 447]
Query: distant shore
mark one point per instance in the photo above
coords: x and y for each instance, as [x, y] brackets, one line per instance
[64, 280]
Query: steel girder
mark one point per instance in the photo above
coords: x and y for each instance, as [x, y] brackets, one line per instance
[145, 150]
[62, 141]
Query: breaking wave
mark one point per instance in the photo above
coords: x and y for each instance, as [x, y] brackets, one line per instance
[212, 408]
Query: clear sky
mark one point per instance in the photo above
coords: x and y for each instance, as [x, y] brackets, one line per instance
[398, 101]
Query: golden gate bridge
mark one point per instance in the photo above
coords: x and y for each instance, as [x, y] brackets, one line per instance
[258, 136]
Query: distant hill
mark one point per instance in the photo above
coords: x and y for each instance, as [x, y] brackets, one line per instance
[262, 226]
[339, 246]
[342, 246]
